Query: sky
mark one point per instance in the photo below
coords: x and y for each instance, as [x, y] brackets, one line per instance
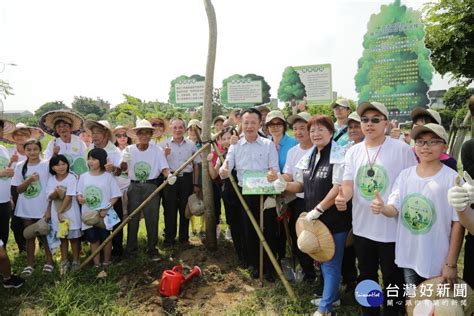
[109, 47]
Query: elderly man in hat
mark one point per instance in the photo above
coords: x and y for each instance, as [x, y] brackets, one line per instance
[63, 125]
[253, 153]
[178, 150]
[20, 134]
[102, 137]
[145, 162]
[341, 109]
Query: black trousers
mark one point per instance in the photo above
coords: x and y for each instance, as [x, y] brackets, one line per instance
[468, 273]
[16, 223]
[216, 188]
[117, 241]
[234, 217]
[371, 254]
[175, 200]
[349, 268]
[4, 222]
[297, 207]
[251, 240]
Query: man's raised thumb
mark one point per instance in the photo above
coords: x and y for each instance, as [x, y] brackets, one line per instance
[341, 192]
[377, 194]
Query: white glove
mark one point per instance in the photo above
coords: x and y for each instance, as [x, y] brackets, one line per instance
[458, 198]
[280, 184]
[314, 214]
[469, 187]
[171, 179]
[127, 157]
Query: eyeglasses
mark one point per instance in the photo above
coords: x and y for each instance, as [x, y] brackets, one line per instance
[430, 143]
[120, 135]
[374, 120]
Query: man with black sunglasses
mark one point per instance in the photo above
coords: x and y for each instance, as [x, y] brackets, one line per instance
[372, 166]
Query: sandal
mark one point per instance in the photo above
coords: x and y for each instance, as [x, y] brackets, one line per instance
[48, 268]
[27, 271]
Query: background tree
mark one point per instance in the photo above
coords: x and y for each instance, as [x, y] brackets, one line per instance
[450, 36]
[291, 88]
[5, 88]
[86, 106]
[50, 106]
[456, 97]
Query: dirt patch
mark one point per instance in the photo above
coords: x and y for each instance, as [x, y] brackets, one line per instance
[221, 285]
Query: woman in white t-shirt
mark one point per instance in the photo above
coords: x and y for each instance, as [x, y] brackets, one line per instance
[429, 235]
[121, 142]
[64, 208]
[31, 177]
[95, 190]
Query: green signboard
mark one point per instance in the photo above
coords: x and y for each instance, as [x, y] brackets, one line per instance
[244, 91]
[317, 80]
[187, 91]
[395, 67]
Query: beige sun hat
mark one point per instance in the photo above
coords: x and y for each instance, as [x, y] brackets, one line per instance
[102, 124]
[377, 106]
[61, 195]
[90, 217]
[353, 117]
[40, 228]
[195, 206]
[341, 102]
[305, 116]
[219, 118]
[275, 114]
[264, 107]
[419, 111]
[422, 293]
[35, 132]
[315, 239]
[119, 127]
[430, 128]
[48, 120]
[141, 124]
[195, 123]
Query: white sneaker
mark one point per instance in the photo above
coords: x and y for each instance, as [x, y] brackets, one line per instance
[317, 302]
[228, 235]
[318, 313]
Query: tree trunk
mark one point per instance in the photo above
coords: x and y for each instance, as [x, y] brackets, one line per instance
[211, 240]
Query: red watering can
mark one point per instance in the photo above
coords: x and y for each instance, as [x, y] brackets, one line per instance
[171, 280]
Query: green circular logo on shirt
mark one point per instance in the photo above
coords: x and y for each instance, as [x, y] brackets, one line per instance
[367, 184]
[3, 164]
[79, 166]
[418, 213]
[33, 190]
[142, 170]
[93, 196]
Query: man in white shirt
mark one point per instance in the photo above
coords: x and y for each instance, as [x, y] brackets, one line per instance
[253, 153]
[370, 166]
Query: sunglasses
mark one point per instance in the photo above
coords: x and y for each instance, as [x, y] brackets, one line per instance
[430, 143]
[120, 135]
[374, 120]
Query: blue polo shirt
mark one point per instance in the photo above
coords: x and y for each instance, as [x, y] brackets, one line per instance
[286, 143]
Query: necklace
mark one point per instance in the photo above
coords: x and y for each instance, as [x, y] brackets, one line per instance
[371, 172]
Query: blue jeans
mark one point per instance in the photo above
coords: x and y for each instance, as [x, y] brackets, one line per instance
[332, 274]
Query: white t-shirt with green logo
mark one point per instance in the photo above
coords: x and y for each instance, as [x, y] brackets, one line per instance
[73, 213]
[5, 182]
[391, 160]
[147, 164]
[33, 202]
[75, 152]
[424, 221]
[97, 190]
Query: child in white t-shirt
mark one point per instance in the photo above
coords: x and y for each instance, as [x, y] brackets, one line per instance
[30, 178]
[429, 235]
[64, 209]
[95, 190]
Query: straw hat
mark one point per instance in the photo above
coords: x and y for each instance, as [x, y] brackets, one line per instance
[315, 239]
[141, 124]
[195, 123]
[40, 228]
[434, 296]
[34, 131]
[102, 124]
[8, 126]
[49, 119]
[61, 195]
[90, 217]
[195, 206]
[119, 127]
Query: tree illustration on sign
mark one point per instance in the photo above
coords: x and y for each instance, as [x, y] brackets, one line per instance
[395, 67]
[291, 88]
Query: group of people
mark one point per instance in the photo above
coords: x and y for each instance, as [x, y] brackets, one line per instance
[356, 176]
